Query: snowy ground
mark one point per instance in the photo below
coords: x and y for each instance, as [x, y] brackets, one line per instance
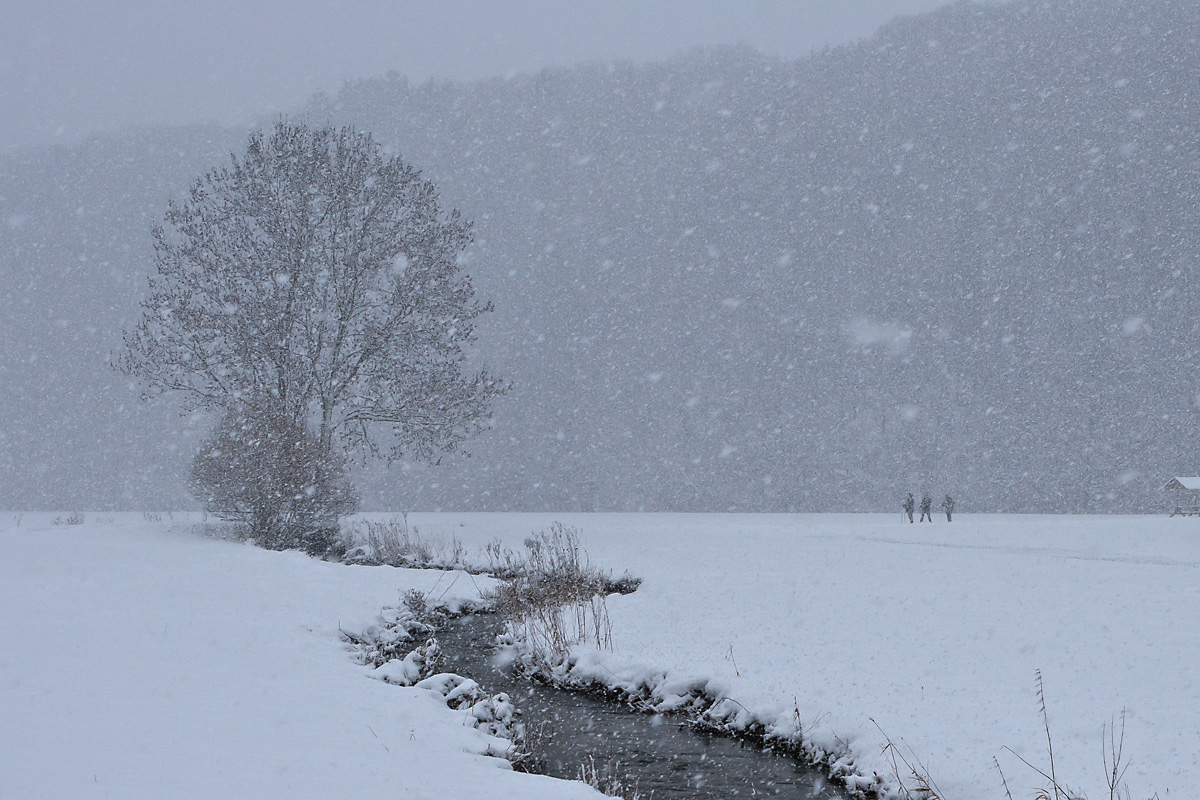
[141, 661]
[935, 632]
[138, 660]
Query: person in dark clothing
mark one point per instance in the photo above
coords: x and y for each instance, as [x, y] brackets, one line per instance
[948, 506]
[908, 506]
[926, 508]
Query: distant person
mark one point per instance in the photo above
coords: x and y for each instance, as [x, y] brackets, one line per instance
[926, 506]
[948, 506]
[908, 506]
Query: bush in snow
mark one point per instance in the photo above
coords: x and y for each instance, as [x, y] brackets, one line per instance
[553, 598]
[265, 469]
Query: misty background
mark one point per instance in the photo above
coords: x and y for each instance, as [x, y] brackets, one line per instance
[758, 274]
[71, 67]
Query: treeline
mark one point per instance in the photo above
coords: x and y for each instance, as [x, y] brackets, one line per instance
[961, 254]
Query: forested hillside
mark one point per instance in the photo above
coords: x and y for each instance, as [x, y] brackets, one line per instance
[960, 256]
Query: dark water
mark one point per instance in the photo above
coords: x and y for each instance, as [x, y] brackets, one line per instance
[658, 756]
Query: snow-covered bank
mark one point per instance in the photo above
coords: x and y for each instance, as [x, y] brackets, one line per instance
[138, 660]
[934, 632]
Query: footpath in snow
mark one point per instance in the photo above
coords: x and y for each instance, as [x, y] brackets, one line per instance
[849, 625]
[138, 660]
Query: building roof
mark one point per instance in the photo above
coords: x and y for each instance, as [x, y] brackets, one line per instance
[1191, 484]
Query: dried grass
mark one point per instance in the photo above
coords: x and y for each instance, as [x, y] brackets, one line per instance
[394, 543]
[1051, 786]
[552, 597]
[608, 779]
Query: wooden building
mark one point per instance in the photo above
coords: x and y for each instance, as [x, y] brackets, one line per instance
[1186, 494]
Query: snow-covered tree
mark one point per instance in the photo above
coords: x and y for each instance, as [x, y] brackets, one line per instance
[319, 275]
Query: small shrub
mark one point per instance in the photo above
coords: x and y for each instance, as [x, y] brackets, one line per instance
[503, 563]
[74, 518]
[552, 597]
[264, 468]
[414, 600]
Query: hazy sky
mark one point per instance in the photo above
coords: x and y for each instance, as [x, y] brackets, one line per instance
[72, 66]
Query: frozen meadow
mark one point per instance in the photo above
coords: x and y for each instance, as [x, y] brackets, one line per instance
[141, 660]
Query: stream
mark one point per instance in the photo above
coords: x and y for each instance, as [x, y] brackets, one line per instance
[658, 756]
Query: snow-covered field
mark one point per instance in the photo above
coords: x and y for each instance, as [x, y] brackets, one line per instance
[139, 660]
[934, 632]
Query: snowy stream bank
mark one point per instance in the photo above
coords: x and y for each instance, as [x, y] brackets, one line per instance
[933, 634]
[565, 729]
[142, 661]
[139, 661]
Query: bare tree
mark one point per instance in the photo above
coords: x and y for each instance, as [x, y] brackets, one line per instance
[321, 276]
